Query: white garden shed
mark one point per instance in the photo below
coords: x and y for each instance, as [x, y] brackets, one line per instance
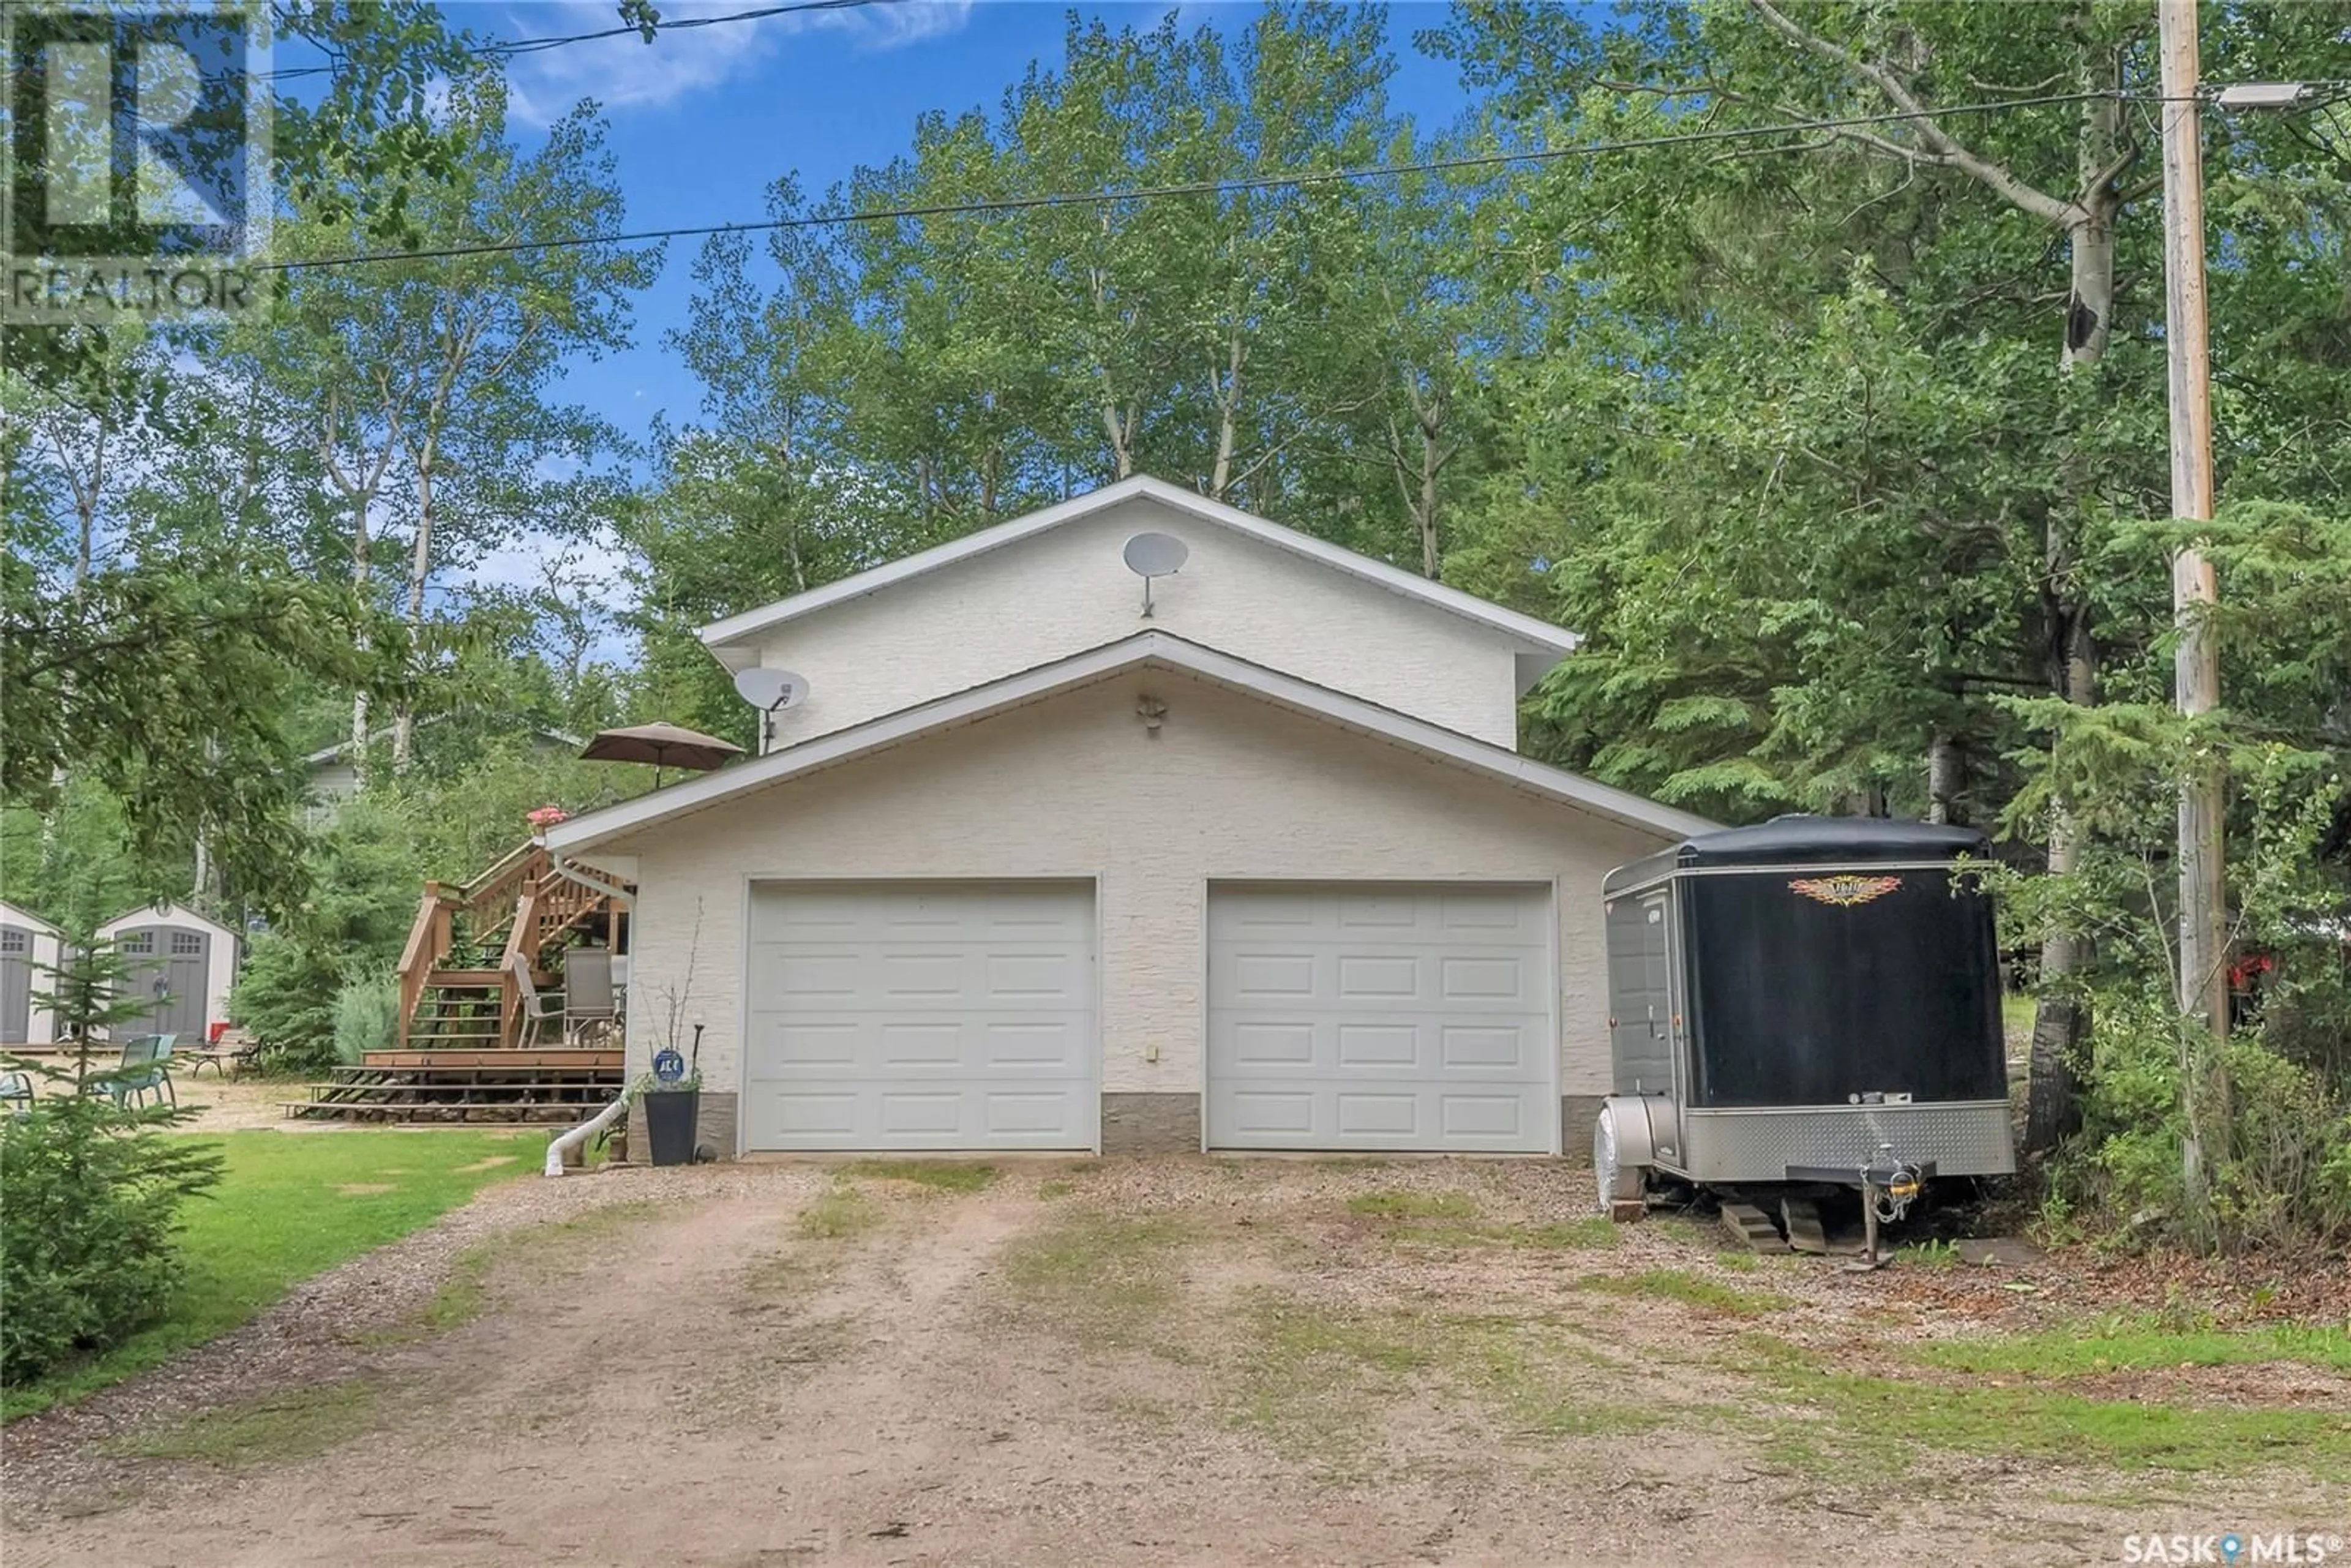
[183, 961]
[28, 945]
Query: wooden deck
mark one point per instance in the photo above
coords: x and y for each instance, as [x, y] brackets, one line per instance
[500, 1061]
[555, 1086]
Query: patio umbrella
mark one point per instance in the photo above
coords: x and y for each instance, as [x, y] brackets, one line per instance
[663, 746]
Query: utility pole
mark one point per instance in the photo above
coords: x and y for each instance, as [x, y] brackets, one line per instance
[2203, 920]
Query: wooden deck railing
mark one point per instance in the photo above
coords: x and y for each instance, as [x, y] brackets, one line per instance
[521, 897]
[428, 943]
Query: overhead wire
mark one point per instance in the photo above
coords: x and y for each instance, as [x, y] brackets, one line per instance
[1291, 179]
[510, 48]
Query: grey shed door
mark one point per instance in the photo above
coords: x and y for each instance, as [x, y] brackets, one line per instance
[15, 984]
[1381, 1016]
[171, 968]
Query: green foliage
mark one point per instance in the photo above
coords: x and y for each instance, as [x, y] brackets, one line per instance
[288, 1208]
[366, 1016]
[89, 1197]
[286, 997]
[90, 1193]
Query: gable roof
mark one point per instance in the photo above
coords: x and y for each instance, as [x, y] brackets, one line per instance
[726, 638]
[1158, 649]
[15, 915]
[167, 914]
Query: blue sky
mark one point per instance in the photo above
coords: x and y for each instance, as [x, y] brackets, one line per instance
[702, 121]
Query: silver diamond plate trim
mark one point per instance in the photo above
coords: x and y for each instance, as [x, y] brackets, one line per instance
[1969, 1139]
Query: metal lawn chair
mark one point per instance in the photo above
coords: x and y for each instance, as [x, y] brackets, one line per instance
[535, 1008]
[16, 1093]
[588, 1000]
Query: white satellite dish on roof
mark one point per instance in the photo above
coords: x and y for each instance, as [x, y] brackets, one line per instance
[771, 692]
[1153, 555]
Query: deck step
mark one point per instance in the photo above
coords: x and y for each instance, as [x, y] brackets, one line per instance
[469, 1116]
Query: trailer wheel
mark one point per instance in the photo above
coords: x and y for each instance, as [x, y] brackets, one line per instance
[1622, 1189]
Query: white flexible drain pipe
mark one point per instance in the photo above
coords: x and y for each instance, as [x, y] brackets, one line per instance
[582, 1133]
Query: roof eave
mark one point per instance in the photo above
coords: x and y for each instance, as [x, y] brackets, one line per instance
[1161, 648]
[725, 638]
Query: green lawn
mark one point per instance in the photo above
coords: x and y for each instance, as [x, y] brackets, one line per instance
[290, 1206]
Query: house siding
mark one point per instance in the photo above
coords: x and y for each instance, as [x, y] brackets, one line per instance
[1075, 786]
[1067, 590]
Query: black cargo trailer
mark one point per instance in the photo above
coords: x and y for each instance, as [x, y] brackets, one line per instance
[1813, 999]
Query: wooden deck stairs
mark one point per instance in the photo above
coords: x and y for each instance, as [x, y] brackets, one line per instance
[461, 1055]
[498, 1087]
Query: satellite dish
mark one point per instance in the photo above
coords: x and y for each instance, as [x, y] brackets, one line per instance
[770, 690]
[1153, 555]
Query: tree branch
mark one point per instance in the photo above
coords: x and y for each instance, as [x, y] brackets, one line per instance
[2010, 189]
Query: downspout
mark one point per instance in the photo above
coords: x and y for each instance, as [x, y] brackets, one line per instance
[583, 1131]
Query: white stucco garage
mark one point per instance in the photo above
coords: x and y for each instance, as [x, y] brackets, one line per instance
[1144, 893]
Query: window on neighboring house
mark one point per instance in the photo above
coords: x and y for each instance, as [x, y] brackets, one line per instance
[136, 944]
[186, 944]
[14, 942]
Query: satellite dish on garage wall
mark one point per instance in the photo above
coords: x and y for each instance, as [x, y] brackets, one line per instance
[770, 691]
[1153, 555]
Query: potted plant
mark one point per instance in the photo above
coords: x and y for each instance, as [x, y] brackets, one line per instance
[672, 1096]
[671, 1111]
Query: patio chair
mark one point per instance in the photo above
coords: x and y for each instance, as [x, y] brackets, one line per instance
[16, 1093]
[588, 999]
[144, 1069]
[535, 1008]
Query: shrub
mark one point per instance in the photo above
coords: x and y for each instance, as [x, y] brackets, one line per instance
[287, 997]
[2279, 1173]
[367, 1018]
[89, 1199]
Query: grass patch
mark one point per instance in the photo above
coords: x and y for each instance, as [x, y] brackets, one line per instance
[1690, 1290]
[1939, 1255]
[841, 1212]
[1413, 1204]
[1313, 1380]
[279, 1216]
[1860, 1424]
[947, 1175]
[1108, 1279]
[280, 1428]
[1056, 1187]
[1856, 1426]
[1558, 1235]
[2139, 1344]
[467, 1293]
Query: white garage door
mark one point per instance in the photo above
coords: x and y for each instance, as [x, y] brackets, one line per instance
[921, 1016]
[1375, 1016]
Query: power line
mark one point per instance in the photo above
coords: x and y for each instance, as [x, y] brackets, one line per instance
[510, 48]
[1293, 179]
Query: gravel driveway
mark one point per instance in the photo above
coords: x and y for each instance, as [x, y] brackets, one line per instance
[1176, 1361]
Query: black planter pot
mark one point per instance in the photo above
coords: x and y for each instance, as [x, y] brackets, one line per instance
[670, 1117]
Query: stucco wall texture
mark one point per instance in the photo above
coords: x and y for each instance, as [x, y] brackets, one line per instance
[1067, 590]
[1230, 786]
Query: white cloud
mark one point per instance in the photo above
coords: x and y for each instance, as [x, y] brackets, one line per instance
[625, 73]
